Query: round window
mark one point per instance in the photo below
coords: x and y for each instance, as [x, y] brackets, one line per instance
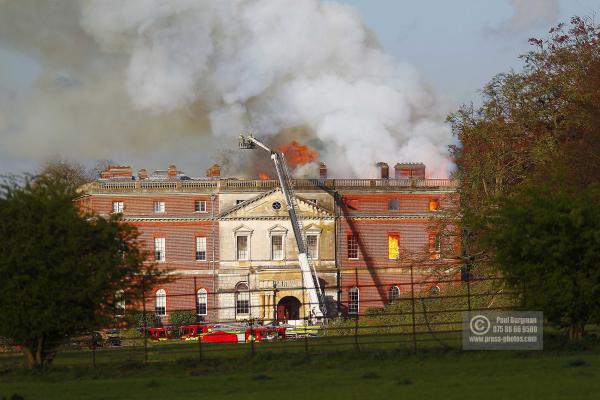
[276, 205]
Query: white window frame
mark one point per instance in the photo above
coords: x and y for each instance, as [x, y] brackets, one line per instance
[119, 303]
[242, 294]
[202, 208]
[317, 247]
[159, 207]
[348, 247]
[391, 297]
[200, 248]
[160, 302]
[237, 249]
[201, 300]
[353, 304]
[243, 230]
[282, 255]
[120, 206]
[160, 249]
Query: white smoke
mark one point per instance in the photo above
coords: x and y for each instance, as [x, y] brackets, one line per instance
[270, 65]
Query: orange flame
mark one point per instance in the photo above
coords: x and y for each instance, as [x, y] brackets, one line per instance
[298, 154]
[263, 176]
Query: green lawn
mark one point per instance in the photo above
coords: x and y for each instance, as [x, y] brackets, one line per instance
[175, 372]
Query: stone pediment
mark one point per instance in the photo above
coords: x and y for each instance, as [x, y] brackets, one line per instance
[272, 205]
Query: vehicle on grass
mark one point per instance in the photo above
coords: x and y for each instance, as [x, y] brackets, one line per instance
[158, 334]
[102, 338]
[221, 337]
[265, 333]
[194, 332]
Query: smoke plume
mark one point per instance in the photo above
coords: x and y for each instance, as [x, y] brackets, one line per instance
[180, 79]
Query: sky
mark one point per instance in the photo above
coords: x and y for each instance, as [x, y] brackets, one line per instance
[46, 58]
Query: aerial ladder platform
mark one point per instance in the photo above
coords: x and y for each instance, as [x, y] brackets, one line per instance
[310, 280]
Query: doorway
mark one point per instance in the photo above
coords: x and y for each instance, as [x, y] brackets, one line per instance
[288, 309]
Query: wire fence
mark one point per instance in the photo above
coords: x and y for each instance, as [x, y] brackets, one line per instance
[420, 319]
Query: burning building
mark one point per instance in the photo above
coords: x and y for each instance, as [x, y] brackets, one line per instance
[230, 246]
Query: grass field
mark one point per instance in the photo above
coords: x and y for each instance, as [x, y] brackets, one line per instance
[287, 373]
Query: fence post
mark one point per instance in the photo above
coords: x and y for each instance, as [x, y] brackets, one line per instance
[251, 338]
[199, 347]
[145, 322]
[93, 350]
[305, 340]
[412, 295]
[356, 333]
[469, 288]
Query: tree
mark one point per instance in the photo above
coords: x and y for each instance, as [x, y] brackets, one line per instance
[72, 173]
[548, 240]
[61, 271]
[533, 126]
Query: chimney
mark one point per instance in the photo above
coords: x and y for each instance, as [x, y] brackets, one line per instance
[214, 171]
[142, 174]
[385, 170]
[322, 171]
[410, 171]
[172, 171]
[117, 172]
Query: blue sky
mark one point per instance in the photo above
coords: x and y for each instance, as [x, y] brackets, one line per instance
[458, 44]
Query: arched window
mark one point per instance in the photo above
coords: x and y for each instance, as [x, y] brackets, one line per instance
[201, 302]
[242, 299]
[353, 301]
[393, 294]
[160, 305]
[120, 303]
[434, 290]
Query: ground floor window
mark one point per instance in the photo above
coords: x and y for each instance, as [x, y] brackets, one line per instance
[393, 294]
[160, 307]
[242, 299]
[353, 299]
[201, 302]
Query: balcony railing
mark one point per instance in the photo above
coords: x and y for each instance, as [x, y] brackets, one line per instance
[210, 186]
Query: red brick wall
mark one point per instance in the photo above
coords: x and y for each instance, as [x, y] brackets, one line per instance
[143, 204]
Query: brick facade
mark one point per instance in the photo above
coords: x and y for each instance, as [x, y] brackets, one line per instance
[392, 222]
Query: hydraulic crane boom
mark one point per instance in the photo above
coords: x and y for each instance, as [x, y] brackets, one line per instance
[316, 298]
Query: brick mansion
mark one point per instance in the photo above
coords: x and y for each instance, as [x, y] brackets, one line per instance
[229, 245]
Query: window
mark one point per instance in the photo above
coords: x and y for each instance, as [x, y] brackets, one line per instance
[435, 245]
[434, 290]
[312, 246]
[201, 302]
[200, 206]
[200, 248]
[434, 204]
[119, 303]
[117, 207]
[393, 204]
[277, 247]
[353, 299]
[393, 246]
[242, 247]
[159, 249]
[352, 247]
[160, 304]
[159, 206]
[242, 299]
[393, 294]
[276, 205]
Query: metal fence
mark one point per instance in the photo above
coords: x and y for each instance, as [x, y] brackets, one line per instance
[419, 318]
